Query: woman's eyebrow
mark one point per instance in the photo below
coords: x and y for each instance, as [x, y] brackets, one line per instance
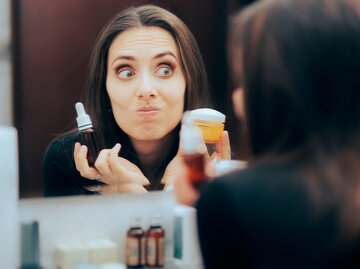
[131, 58]
[166, 53]
[124, 57]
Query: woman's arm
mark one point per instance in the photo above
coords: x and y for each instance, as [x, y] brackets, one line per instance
[223, 152]
[60, 177]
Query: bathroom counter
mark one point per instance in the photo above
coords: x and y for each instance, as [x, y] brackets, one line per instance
[174, 266]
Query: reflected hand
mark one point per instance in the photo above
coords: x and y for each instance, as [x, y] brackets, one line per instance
[223, 150]
[185, 192]
[119, 174]
[171, 171]
[175, 164]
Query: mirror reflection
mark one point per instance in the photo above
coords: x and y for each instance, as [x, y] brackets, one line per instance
[145, 69]
[140, 79]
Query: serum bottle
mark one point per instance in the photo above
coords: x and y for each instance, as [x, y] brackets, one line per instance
[194, 157]
[155, 250]
[135, 245]
[87, 134]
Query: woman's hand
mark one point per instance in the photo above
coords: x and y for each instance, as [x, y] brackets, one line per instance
[171, 171]
[119, 174]
[184, 190]
[223, 151]
[175, 164]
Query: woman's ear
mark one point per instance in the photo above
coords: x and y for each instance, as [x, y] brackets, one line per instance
[238, 102]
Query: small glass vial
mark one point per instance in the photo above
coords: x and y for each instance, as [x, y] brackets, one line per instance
[87, 134]
[211, 123]
[155, 250]
[193, 154]
[135, 245]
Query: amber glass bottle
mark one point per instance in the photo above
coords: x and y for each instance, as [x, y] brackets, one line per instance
[195, 165]
[135, 245]
[155, 250]
[87, 135]
[193, 153]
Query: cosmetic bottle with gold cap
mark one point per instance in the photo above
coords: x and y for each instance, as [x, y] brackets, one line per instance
[211, 123]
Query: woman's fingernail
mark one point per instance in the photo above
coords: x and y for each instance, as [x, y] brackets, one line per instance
[117, 147]
[83, 148]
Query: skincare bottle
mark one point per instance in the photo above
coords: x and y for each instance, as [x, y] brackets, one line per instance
[135, 245]
[155, 250]
[211, 123]
[187, 252]
[193, 153]
[30, 246]
[87, 134]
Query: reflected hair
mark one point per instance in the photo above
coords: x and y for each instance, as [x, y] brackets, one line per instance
[302, 74]
[300, 67]
[95, 95]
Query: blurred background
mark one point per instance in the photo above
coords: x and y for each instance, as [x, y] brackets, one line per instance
[49, 51]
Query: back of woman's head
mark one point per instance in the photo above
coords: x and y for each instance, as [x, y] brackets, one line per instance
[301, 73]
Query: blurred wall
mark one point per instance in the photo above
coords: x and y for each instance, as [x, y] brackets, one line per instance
[6, 113]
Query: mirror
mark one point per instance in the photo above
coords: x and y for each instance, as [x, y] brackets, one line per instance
[52, 43]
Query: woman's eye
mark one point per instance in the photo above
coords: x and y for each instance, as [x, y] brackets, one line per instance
[165, 71]
[126, 73]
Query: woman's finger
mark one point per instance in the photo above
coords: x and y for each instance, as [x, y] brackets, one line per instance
[113, 158]
[115, 165]
[82, 164]
[132, 187]
[225, 153]
[76, 148]
[123, 169]
[102, 166]
[184, 191]
[122, 188]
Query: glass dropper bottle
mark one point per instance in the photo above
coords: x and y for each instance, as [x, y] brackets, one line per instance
[87, 134]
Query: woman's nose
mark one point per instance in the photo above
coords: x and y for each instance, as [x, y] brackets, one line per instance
[146, 88]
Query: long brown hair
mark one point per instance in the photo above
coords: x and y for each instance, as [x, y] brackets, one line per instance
[95, 95]
[300, 64]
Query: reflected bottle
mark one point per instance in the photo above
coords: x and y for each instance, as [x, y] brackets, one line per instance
[135, 245]
[155, 250]
[87, 134]
[211, 123]
[193, 153]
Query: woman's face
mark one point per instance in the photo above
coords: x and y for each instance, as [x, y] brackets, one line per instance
[145, 82]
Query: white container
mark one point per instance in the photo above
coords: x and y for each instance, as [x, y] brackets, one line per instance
[210, 122]
[223, 167]
[9, 232]
[187, 252]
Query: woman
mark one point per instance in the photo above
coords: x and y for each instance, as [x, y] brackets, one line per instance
[297, 204]
[145, 70]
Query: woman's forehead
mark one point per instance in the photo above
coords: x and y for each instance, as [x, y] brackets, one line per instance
[143, 39]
